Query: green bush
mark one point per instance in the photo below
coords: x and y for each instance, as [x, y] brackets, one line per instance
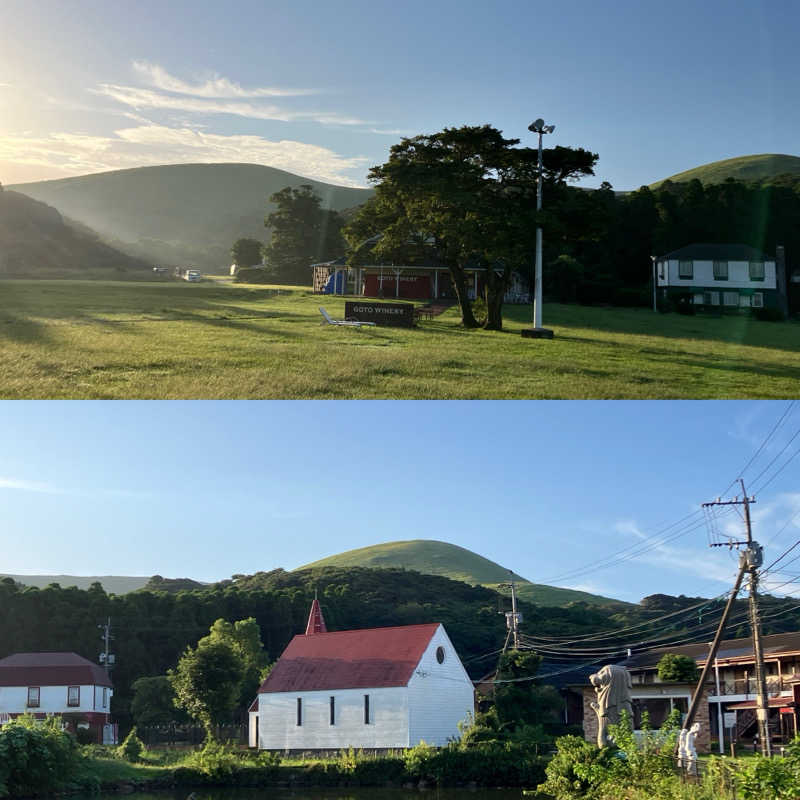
[35, 758]
[770, 779]
[768, 314]
[131, 749]
[254, 275]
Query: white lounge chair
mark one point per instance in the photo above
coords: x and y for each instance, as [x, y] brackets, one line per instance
[353, 323]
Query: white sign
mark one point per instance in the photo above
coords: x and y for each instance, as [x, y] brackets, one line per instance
[730, 719]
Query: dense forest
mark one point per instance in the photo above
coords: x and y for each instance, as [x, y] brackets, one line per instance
[151, 629]
[598, 243]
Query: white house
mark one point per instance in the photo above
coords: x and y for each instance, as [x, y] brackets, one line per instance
[730, 276]
[379, 688]
[63, 684]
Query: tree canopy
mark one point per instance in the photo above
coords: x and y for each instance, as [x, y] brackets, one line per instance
[303, 232]
[469, 195]
[246, 252]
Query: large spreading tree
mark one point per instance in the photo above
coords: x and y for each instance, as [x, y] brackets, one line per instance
[303, 232]
[469, 194]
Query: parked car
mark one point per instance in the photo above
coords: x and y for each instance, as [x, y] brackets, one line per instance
[192, 275]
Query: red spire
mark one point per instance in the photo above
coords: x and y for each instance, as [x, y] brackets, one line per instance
[316, 622]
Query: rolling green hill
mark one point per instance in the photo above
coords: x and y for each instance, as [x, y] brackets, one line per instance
[440, 558]
[743, 168]
[180, 214]
[37, 242]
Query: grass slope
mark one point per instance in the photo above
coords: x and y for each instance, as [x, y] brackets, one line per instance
[105, 339]
[113, 584]
[181, 213]
[743, 168]
[431, 557]
[36, 241]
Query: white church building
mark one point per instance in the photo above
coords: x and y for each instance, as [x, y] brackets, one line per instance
[377, 689]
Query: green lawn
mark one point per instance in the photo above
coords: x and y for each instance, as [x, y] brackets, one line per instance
[105, 339]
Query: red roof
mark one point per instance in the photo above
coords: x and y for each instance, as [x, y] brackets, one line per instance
[372, 658]
[51, 669]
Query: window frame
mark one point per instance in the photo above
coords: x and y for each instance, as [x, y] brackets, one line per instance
[105, 697]
[760, 303]
[759, 278]
[682, 268]
[730, 295]
[77, 700]
[37, 704]
[299, 712]
[366, 710]
[717, 269]
[332, 720]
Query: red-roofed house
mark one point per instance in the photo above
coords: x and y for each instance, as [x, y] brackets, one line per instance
[44, 684]
[380, 688]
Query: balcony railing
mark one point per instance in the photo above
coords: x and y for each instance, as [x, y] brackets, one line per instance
[748, 686]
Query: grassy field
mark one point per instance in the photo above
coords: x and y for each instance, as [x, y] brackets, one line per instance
[105, 339]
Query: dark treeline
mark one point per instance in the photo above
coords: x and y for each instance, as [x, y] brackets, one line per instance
[151, 629]
[598, 243]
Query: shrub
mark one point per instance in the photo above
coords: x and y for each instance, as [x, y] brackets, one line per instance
[675, 667]
[577, 768]
[254, 275]
[768, 314]
[35, 759]
[214, 760]
[131, 749]
[769, 779]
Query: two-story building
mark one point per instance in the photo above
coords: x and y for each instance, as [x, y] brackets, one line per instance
[62, 684]
[727, 710]
[718, 276]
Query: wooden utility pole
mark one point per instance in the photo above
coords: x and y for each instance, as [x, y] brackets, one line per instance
[750, 559]
[513, 618]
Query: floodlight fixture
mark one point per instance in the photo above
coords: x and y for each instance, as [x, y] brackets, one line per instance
[536, 126]
[548, 128]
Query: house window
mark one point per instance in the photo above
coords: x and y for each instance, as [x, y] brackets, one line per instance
[686, 269]
[33, 697]
[757, 300]
[299, 710]
[333, 710]
[730, 298]
[720, 270]
[105, 697]
[73, 695]
[710, 298]
[366, 709]
[756, 270]
[440, 655]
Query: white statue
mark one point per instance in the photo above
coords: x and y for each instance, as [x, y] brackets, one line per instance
[612, 685]
[687, 752]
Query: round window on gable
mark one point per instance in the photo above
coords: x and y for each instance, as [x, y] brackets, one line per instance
[440, 655]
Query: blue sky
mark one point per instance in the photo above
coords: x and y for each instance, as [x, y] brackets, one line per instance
[207, 489]
[324, 89]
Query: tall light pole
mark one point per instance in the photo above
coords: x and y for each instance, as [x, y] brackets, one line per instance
[538, 332]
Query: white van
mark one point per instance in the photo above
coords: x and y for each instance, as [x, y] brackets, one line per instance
[192, 275]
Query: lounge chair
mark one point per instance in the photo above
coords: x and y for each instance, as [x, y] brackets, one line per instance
[353, 323]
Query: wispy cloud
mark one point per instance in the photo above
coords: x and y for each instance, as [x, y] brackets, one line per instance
[151, 144]
[215, 86]
[679, 559]
[149, 98]
[29, 486]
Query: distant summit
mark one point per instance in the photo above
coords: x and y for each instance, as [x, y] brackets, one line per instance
[181, 214]
[743, 168]
[432, 557]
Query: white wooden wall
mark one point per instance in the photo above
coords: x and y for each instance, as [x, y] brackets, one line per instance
[439, 695]
[703, 275]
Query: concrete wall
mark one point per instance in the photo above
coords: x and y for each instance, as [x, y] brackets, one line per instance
[439, 695]
[53, 700]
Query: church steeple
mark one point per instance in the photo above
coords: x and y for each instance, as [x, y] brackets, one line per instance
[316, 622]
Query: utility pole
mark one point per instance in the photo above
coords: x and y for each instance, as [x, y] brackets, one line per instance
[750, 559]
[106, 659]
[513, 618]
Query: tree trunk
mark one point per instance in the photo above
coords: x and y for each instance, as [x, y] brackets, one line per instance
[495, 292]
[460, 284]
